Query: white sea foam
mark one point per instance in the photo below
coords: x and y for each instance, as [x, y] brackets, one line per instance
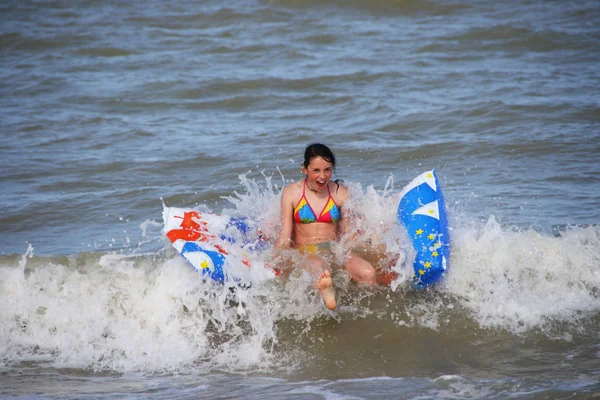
[519, 279]
[113, 315]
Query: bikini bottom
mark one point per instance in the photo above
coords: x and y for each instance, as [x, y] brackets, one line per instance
[318, 248]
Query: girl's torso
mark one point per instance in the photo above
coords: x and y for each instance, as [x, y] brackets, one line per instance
[316, 216]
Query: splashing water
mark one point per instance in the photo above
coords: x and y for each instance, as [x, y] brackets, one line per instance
[520, 279]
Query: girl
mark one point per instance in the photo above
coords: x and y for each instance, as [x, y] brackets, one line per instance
[312, 218]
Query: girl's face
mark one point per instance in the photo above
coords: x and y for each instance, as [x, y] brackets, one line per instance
[318, 173]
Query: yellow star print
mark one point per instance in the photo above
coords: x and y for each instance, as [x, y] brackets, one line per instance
[204, 264]
[427, 264]
[419, 231]
[421, 272]
[430, 175]
[431, 236]
[435, 254]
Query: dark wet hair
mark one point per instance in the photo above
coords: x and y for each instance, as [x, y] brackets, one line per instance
[318, 150]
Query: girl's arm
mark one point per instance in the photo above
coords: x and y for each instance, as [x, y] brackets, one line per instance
[287, 221]
[344, 224]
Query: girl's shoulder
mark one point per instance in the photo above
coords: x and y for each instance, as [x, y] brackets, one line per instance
[293, 189]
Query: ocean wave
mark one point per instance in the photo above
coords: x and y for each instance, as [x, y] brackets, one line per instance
[124, 311]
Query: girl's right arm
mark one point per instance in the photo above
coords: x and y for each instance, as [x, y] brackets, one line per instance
[287, 219]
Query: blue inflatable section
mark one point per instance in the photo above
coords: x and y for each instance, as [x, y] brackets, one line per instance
[240, 224]
[217, 258]
[422, 211]
[250, 243]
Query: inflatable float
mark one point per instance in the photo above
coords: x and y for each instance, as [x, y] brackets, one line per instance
[223, 247]
[219, 246]
[422, 211]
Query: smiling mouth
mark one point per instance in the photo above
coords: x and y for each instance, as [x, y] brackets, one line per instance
[318, 186]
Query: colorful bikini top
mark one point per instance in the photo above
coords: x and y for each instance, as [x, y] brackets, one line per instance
[304, 214]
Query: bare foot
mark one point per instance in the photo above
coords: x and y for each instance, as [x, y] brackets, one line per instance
[325, 286]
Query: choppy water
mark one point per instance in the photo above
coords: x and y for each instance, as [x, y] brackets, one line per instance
[108, 109]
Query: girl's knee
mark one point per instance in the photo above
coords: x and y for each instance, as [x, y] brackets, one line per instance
[360, 270]
[367, 274]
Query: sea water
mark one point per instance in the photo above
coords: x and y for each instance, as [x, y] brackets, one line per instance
[110, 110]
[517, 309]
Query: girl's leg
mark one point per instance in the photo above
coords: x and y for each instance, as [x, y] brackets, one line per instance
[324, 283]
[360, 270]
